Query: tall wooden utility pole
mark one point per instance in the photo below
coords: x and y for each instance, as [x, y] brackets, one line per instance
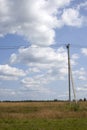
[69, 75]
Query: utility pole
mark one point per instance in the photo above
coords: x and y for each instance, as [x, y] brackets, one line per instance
[73, 86]
[69, 73]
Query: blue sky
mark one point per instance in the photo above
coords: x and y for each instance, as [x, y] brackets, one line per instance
[37, 68]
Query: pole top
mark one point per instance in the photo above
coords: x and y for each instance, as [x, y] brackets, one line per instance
[67, 46]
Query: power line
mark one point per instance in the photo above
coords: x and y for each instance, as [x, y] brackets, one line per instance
[78, 45]
[52, 46]
[12, 47]
[26, 46]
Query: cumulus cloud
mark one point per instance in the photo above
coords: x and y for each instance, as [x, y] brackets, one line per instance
[75, 56]
[7, 92]
[43, 57]
[82, 5]
[40, 57]
[45, 63]
[81, 92]
[36, 83]
[33, 70]
[72, 17]
[80, 74]
[84, 51]
[37, 20]
[33, 19]
[39, 82]
[84, 89]
[12, 94]
[10, 73]
[49, 64]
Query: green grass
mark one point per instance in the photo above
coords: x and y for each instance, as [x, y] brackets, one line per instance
[43, 116]
[45, 124]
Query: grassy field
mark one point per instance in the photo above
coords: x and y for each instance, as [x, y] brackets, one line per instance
[43, 116]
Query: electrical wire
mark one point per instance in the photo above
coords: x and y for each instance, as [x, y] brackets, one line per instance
[12, 47]
[52, 46]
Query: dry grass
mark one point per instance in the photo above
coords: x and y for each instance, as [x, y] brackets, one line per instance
[43, 116]
[43, 110]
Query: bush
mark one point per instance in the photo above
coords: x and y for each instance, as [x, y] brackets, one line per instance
[73, 106]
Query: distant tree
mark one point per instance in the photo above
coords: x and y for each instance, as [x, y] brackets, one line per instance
[84, 99]
[55, 100]
[80, 100]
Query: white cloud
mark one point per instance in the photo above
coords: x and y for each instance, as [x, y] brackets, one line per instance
[84, 89]
[7, 92]
[80, 74]
[36, 83]
[31, 19]
[75, 56]
[40, 82]
[37, 19]
[82, 5]
[33, 70]
[46, 63]
[12, 94]
[84, 51]
[72, 17]
[40, 57]
[10, 73]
